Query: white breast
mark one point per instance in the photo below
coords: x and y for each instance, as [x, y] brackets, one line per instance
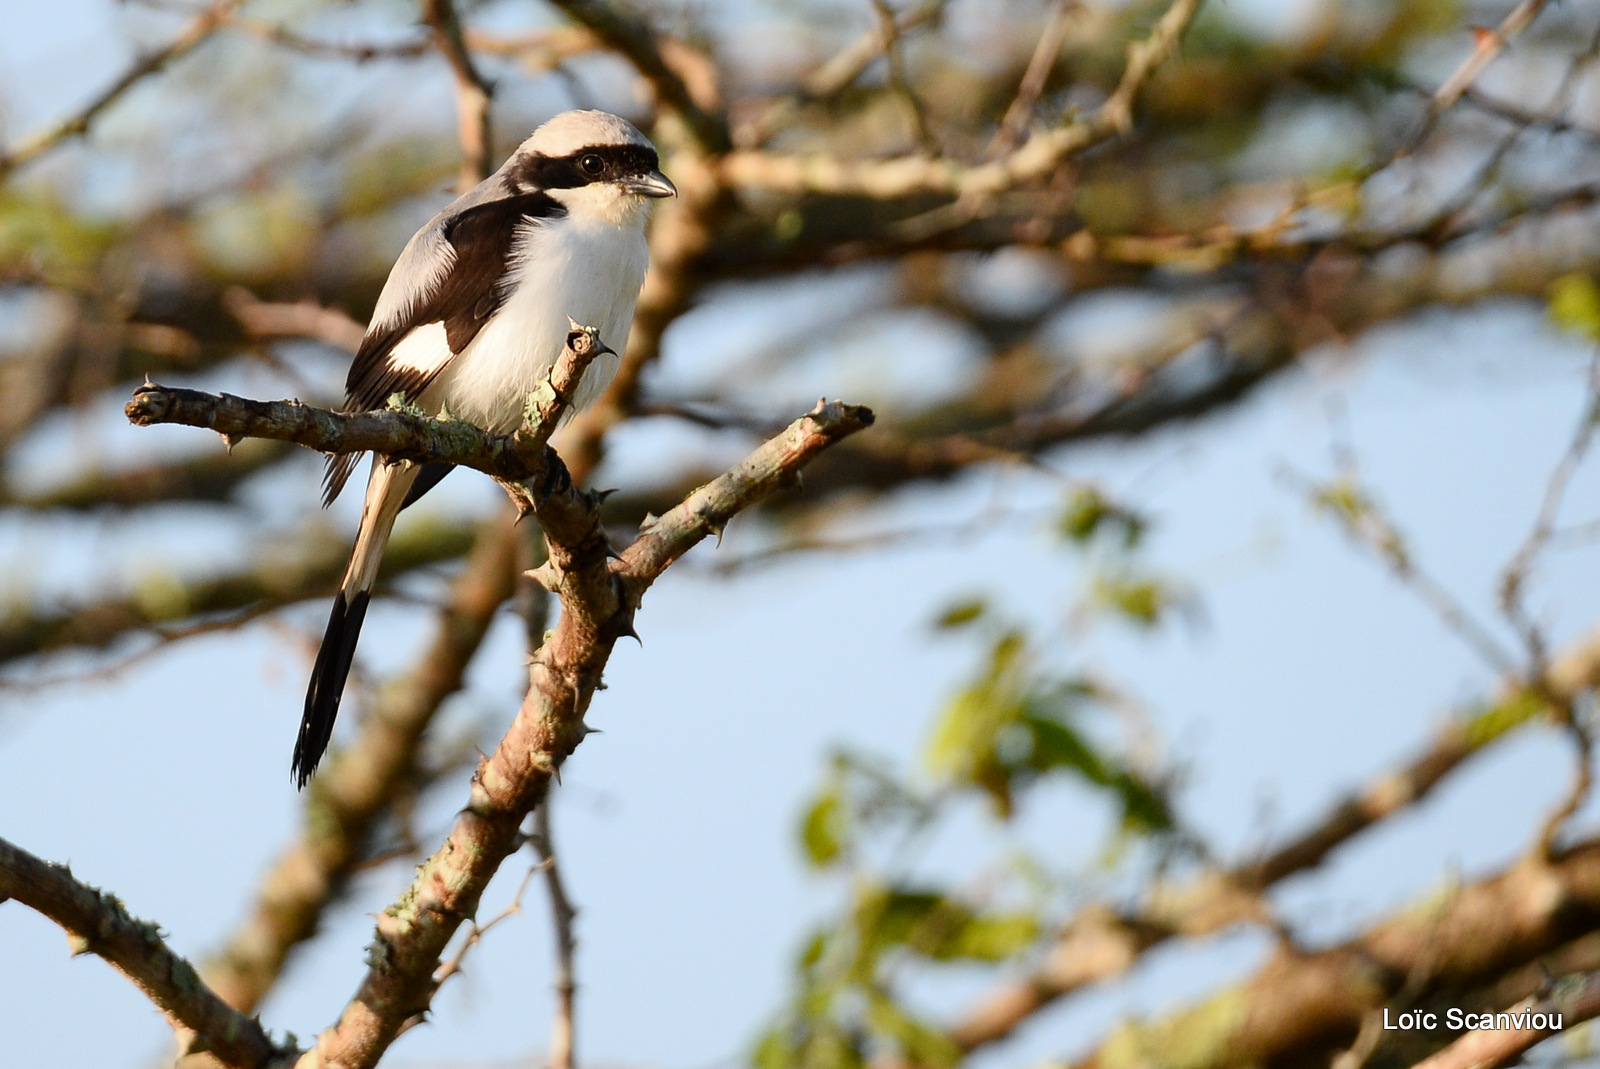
[586, 268]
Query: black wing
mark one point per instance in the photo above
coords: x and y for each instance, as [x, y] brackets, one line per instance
[479, 240]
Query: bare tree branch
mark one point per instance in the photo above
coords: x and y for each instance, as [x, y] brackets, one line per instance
[281, 574]
[1486, 47]
[1042, 62]
[302, 319]
[563, 1033]
[201, 27]
[838, 74]
[908, 175]
[473, 93]
[1101, 942]
[682, 80]
[1312, 1002]
[208, 477]
[97, 923]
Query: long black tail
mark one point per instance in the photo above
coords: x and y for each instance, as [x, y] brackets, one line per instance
[386, 492]
[328, 677]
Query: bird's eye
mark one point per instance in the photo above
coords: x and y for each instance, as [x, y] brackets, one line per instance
[592, 164]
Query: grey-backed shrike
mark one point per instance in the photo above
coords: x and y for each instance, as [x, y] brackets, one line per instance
[474, 315]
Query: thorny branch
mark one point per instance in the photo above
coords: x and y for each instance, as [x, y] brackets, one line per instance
[599, 591]
[477, 931]
[97, 923]
[524, 456]
[1486, 47]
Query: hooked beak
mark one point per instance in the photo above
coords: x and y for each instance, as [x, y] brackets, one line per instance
[653, 184]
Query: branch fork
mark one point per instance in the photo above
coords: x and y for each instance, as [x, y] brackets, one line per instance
[600, 589]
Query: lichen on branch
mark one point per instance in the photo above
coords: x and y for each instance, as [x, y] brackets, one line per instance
[599, 588]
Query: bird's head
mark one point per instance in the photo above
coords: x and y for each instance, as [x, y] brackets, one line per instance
[593, 163]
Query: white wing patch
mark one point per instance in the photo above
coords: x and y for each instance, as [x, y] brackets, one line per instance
[421, 354]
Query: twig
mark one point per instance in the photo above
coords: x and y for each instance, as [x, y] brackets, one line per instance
[212, 476]
[1362, 521]
[288, 571]
[280, 35]
[562, 1031]
[302, 319]
[202, 26]
[163, 636]
[1486, 47]
[1514, 577]
[473, 92]
[966, 531]
[1043, 61]
[477, 932]
[1549, 119]
[909, 175]
[889, 27]
[682, 80]
[836, 75]
[1513, 580]
[1454, 208]
[97, 923]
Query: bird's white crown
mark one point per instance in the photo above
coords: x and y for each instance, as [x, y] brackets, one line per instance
[573, 130]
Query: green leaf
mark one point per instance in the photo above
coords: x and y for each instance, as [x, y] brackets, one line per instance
[1142, 599]
[825, 828]
[1144, 810]
[1574, 304]
[892, 917]
[773, 1051]
[1088, 512]
[963, 738]
[961, 614]
[1055, 745]
[1506, 715]
[815, 947]
[918, 1043]
[992, 937]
